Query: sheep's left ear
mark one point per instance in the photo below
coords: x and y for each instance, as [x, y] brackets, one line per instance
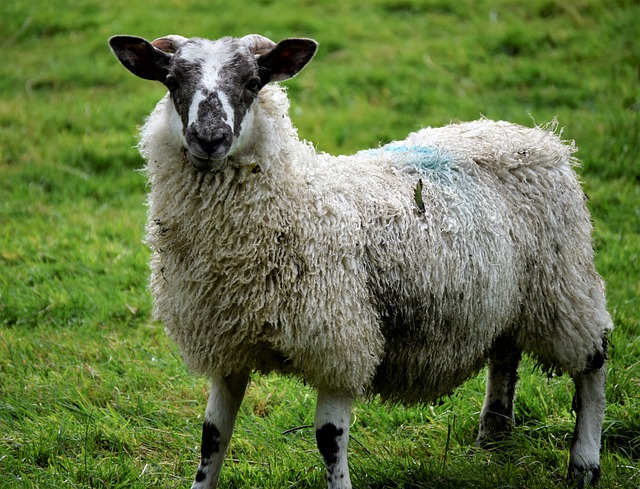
[286, 59]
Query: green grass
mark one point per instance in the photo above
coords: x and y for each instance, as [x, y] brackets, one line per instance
[93, 395]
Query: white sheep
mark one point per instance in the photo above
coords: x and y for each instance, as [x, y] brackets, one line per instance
[398, 271]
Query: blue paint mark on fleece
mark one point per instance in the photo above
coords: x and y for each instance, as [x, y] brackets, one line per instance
[426, 161]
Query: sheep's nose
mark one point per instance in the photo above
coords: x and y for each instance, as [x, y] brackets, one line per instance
[212, 143]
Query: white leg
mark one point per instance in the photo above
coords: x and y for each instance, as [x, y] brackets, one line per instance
[219, 418]
[589, 405]
[332, 435]
[496, 417]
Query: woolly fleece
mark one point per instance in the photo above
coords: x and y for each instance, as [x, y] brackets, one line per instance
[327, 268]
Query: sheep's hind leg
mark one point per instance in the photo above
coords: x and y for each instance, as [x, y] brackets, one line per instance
[333, 412]
[225, 398]
[496, 417]
[589, 405]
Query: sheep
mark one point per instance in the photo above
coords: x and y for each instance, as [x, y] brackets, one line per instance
[399, 271]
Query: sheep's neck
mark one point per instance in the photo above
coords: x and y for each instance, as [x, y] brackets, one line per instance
[275, 143]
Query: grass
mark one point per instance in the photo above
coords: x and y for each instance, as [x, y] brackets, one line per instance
[93, 395]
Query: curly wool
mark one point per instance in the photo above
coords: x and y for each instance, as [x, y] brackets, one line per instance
[391, 271]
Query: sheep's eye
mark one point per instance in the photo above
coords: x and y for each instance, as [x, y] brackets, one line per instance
[171, 82]
[253, 85]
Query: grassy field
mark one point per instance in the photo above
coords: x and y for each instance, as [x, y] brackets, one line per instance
[92, 394]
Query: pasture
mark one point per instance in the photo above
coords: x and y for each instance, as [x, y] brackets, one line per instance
[92, 393]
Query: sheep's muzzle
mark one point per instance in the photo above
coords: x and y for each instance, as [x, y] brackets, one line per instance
[211, 165]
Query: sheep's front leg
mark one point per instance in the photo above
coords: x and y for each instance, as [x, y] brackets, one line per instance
[589, 405]
[496, 417]
[225, 398]
[333, 413]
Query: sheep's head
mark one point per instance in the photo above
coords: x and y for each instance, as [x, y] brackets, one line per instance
[213, 84]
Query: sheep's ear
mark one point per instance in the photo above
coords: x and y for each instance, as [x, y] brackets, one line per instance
[140, 57]
[286, 59]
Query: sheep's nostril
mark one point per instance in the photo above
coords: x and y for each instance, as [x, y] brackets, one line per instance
[216, 142]
[210, 145]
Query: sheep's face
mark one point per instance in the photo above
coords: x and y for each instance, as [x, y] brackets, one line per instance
[213, 84]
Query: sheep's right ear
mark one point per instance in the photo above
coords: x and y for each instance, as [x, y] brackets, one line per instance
[140, 57]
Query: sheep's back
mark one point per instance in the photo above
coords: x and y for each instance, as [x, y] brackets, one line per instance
[493, 239]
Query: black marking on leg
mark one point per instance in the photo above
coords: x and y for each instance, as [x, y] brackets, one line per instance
[595, 474]
[576, 404]
[495, 425]
[327, 440]
[497, 419]
[200, 476]
[210, 441]
[498, 408]
[504, 362]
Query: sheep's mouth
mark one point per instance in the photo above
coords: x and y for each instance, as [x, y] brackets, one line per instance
[213, 165]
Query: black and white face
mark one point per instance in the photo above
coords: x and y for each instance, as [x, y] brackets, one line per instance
[213, 84]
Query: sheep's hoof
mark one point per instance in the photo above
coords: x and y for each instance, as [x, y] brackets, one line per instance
[583, 476]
